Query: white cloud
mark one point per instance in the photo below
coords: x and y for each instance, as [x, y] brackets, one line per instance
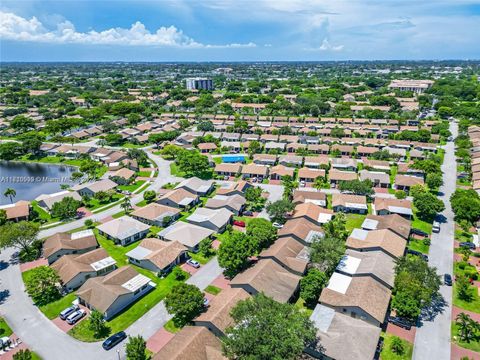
[17, 28]
[326, 46]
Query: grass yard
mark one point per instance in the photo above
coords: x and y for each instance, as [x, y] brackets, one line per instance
[170, 327]
[354, 221]
[94, 204]
[142, 203]
[212, 290]
[420, 224]
[132, 313]
[4, 328]
[117, 252]
[44, 217]
[388, 354]
[473, 345]
[131, 187]
[200, 258]
[133, 146]
[53, 309]
[119, 214]
[143, 173]
[51, 160]
[473, 305]
[175, 171]
[300, 304]
[418, 245]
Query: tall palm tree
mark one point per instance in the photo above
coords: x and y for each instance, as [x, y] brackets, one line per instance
[10, 193]
[126, 204]
[466, 327]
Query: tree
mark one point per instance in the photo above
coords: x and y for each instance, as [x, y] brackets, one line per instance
[358, 187]
[254, 148]
[22, 123]
[185, 302]
[400, 194]
[96, 323]
[41, 283]
[466, 205]
[427, 204]
[113, 139]
[263, 231]
[205, 125]
[23, 354]
[136, 348]
[10, 150]
[3, 217]
[192, 163]
[149, 196]
[266, 329]
[253, 193]
[326, 252]
[90, 168]
[10, 193]
[337, 227]
[20, 235]
[31, 144]
[139, 155]
[205, 248]
[321, 183]
[312, 285]
[126, 205]
[234, 252]
[240, 126]
[88, 223]
[467, 327]
[77, 175]
[66, 208]
[288, 186]
[434, 180]
[464, 291]
[397, 346]
[133, 119]
[278, 210]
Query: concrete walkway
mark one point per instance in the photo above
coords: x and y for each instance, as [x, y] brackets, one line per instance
[432, 340]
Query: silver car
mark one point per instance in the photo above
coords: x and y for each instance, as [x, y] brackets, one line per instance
[75, 316]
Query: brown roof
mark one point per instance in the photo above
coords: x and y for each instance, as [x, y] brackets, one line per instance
[384, 203]
[343, 199]
[193, 343]
[270, 278]
[163, 253]
[61, 241]
[300, 228]
[310, 173]
[301, 196]
[19, 209]
[226, 167]
[364, 293]
[178, 195]
[155, 211]
[219, 310]
[69, 266]
[281, 170]
[255, 169]
[125, 173]
[289, 252]
[342, 175]
[409, 181]
[207, 146]
[310, 210]
[393, 222]
[385, 239]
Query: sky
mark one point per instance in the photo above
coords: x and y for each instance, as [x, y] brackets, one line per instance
[238, 30]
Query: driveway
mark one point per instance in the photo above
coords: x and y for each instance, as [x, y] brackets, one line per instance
[432, 340]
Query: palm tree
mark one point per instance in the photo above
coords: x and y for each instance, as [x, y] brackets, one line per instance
[126, 204]
[10, 193]
[466, 327]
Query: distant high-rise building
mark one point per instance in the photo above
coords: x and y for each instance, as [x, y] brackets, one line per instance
[199, 84]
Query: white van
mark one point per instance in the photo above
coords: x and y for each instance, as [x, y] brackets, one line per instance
[436, 227]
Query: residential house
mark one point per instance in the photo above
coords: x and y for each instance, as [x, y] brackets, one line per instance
[18, 211]
[197, 186]
[344, 163]
[206, 147]
[112, 293]
[90, 189]
[156, 214]
[302, 230]
[289, 254]
[310, 175]
[252, 171]
[336, 176]
[124, 176]
[238, 188]
[157, 255]
[405, 182]
[179, 198]
[387, 206]
[279, 171]
[214, 219]
[61, 244]
[290, 160]
[316, 197]
[75, 269]
[315, 162]
[47, 201]
[187, 234]
[378, 178]
[234, 203]
[349, 203]
[383, 240]
[123, 230]
[396, 223]
[228, 169]
[265, 159]
[314, 213]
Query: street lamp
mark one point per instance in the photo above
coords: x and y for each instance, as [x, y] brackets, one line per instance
[118, 353]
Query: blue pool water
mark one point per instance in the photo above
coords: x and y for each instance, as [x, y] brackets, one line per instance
[233, 158]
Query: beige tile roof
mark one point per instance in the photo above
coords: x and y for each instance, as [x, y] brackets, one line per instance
[255, 169]
[178, 195]
[300, 228]
[155, 212]
[384, 239]
[409, 181]
[342, 175]
[281, 170]
[393, 222]
[61, 241]
[343, 199]
[163, 253]
[19, 209]
[289, 252]
[308, 173]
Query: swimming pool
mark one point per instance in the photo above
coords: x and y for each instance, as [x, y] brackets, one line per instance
[233, 158]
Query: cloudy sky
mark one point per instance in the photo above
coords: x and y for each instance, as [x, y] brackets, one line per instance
[238, 30]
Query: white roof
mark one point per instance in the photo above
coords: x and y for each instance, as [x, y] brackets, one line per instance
[400, 210]
[339, 282]
[370, 224]
[322, 317]
[139, 253]
[7, 206]
[349, 264]
[324, 218]
[136, 283]
[81, 234]
[359, 234]
[355, 205]
[311, 234]
[102, 264]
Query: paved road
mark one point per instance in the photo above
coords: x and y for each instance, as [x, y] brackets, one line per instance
[432, 340]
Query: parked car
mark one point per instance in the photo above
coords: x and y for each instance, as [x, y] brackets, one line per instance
[5, 342]
[114, 340]
[450, 138]
[277, 225]
[248, 213]
[75, 316]
[419, 232]
[447, 279]
[193, 263]
[239, 223]
[302, 183]
[206, 302]
[436, 227]
[403, 323]
[417, 253]
[468, 244]
[66, 312]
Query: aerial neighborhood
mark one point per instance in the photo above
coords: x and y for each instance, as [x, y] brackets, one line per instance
[255, 211]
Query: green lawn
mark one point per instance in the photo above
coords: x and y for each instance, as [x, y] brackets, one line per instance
[175, 171]
[387, 354]
[51, 160]
[52, 310]
[473, 305]
[170, 327]
[132, 313]
[44, 217]
[217, 160]
[420, 224]
[200, 258]
[131, 187]
[144, 173]
[418, 245]
[354, 221]
[4, 328]
[300, 304]
[212, 290]
[119, 214]
[117, 252]
[473, 345]
[142, 203]
[94, 204]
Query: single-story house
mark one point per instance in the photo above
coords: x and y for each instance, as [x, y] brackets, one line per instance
[61, 244]
[387, 206]
[234, 203]
[189, 235]
[316, 197]
[74, 270]
[156, 215]
[254, 171]
[228, 169]
[179, 198]
[18, 211]
[112, 293]
[91, 189]
[378, 178]
[359, 297]
[289, 254]
[336, 176]
[396, 223]
[269, 277]
[214, 219]
[277, 172]
[315, 162]
[290, 160]
[197, 186]
[238, 188]
[384, 240]
[124, 230]
[308, 175]
[314, 213]
[46, 201]
[349, 203]
[207, 147]
[265, 159]
[302, 230]
[125, 174]
[405, 182]
[344, 163]
[157, 255]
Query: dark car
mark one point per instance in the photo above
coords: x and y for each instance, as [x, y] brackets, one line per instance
[419, 232]
[114, 340]
[248, 213]
[470, 245]
[447, 279]
[403, 323]
[417, 253]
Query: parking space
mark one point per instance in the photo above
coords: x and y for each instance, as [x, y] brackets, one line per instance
[188, 268]
[221, 282]
[64, 326]
[158, 340]
[33, 264]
